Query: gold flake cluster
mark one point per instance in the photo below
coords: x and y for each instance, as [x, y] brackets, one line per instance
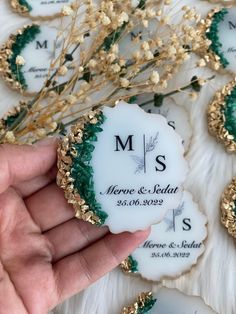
[216, 118]
[17, 7]
[208, 56]
[228, 214]
[5, 54]
[126, 265]
[140, 303]
[64, 163]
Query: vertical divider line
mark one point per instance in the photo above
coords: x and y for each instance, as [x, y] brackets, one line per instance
[144, 152]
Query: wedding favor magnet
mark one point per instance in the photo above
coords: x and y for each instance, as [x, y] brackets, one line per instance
[122, 167]
[176, 115]
[168, 301]
[173, 246]
[222, 116]
[26, 57]
[40, 9]
[220, 28]
[228, 208]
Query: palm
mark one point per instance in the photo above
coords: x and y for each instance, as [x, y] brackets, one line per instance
[46, 255]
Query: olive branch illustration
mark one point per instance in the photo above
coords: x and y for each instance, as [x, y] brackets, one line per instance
[147, 148]
[171, 222]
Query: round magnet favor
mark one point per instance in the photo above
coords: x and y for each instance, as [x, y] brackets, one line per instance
[122, 167]
[41, 9]
[221, 116]
[176, 115]
[173, 246]
[228, 208]
[167, 301]
[220, 28]
[26, 57]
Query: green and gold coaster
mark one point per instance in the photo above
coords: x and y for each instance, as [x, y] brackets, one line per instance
[144, 304]
[221, 116]
[26, 57]
[42, 9]
[122, 167]
[167, 301]
[220, 28]
[228, 208]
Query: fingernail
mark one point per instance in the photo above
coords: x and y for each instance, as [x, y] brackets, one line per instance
[142, 233]
[47, 141]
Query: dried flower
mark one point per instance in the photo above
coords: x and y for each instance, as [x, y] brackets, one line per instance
[20, 60]
[62, 70]
[105, 69]
[124, 82]
[155, 78]
[67, 10]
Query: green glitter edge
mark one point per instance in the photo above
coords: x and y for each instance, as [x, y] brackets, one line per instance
[212, 35]
[25, 4]
[20, 42]
[148, 305]
[133, 264]
[82, 171]
[234, 209]
[227, 111]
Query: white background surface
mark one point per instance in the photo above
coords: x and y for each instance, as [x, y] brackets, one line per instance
[211, 169]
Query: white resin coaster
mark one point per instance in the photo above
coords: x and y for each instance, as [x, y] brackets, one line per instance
[40, 9]
[122, 167]
[168, 301]
[173, 246]
[220, 28]
[176, 116]
[33, 48]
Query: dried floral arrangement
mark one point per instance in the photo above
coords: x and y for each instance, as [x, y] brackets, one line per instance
[125, 49]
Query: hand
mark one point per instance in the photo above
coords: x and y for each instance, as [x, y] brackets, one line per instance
[47, 255]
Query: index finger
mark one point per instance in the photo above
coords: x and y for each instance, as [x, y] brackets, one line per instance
[19, 163]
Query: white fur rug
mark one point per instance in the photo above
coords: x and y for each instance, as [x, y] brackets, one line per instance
[211, 168]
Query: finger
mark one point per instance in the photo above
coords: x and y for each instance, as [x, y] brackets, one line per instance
[79, 270]
[73, 236]
[49, 208]
[29, 187]
[10, 301]
[22, 163]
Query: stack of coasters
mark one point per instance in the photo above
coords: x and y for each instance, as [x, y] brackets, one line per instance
[122, 167]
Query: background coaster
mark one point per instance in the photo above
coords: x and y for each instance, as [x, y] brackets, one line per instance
[220, 28]
[40, 9]
[228, 208]
[176, 116]
[26, 57]
[173, 246]
[221, 116]
[168, 301]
